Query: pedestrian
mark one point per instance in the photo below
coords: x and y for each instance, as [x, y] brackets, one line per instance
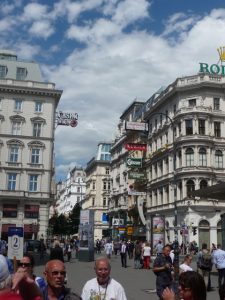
[130, 247]
[191, 287]
[17, 287]
[204, 265]
[163, 270]
[123, 254]
[55, 274]
[146, 252]
[108, 249]
[42, 249]
[159, 248]
[56, 251]
[219, 261]
[103, 286]
[68, 250]
[137, 255]
[27, 265]
[185, 266]
[98, 246]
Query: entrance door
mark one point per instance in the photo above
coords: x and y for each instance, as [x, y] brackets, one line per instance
[204, 234]
[219, 233]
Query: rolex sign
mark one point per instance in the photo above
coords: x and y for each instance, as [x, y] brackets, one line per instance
[134, 162]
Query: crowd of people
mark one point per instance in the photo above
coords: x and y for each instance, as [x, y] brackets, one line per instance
[22, 284]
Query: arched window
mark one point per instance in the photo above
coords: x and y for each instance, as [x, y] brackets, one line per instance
[189, 157]
[202, 157]
[190, 187]
[218, 159]
[203, 184]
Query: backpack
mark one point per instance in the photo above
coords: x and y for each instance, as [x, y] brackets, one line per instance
[206, 261]
[137, 250]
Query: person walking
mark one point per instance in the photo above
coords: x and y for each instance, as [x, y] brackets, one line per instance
[56, 252]
[108, 249]
[137, 255]
[103, 286]
[204, 265]
[163, 270]
[185, 266]
[123, 254]
[159, 248]
[146, 252]
[218, 257]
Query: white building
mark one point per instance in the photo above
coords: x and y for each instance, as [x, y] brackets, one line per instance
[185, 152]
[70, 192]
[27, 125]
[98, 185]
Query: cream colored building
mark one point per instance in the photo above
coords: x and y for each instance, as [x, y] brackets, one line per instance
[98, 185]
[27, 125]
[185, 152]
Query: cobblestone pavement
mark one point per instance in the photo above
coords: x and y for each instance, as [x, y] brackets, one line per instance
[138, 284]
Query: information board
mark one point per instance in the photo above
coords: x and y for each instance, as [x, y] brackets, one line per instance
[15, 242]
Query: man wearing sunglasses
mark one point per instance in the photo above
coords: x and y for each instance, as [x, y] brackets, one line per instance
[27, 265]
[55, 273]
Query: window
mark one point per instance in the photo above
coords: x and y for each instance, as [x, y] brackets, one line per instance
[78, 189]
[190, 187]
[105, 156]
[16, 127]
[160, 119]
[107, 171]
[21, 73]
[9, 211]
[12, 181]
[93, 201]
[217, 131]
[104, 185]
[179, 128]
[18, 105]
[216, 103]
[189, 157]
[174, 108]
[93, 185]
[156, 124]
[31, 211]
[106, 148]
[38, 106]
[202, 157]
[37, 129]
[108, 185]
[201, 126]
[33, 182]
[192, 102]
[104, 201]
[3, 71]
[189, 127]
[35, 156]
[13, 155]
[203, 184]
[218, 159]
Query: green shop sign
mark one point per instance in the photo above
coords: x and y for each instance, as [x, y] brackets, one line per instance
[214, 69]
[137, 175]
[134, 162]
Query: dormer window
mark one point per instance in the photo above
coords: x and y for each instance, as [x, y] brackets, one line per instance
[3, 71]
[21, 73]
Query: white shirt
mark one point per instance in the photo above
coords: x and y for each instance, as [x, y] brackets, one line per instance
[112, 291]
[185, 268]
[146, 251]
[219, 258]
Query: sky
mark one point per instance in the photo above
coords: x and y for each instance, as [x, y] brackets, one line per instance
[104, 54]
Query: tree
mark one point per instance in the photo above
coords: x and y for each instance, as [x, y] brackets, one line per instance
[59, 224]
[74, 219]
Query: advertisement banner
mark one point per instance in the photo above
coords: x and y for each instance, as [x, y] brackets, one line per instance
[86, 229]
[139, 126]
[133, 146]
[137, 175]
[158, 230]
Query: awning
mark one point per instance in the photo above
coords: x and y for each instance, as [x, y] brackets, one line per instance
[216, 191]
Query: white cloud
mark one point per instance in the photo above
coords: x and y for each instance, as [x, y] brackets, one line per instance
[34, 11]
[42, 29]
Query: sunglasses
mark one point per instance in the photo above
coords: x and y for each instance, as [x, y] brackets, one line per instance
[56, 273]
[24, 265]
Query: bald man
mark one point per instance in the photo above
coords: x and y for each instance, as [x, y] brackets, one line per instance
[103, 287]
[55, 273]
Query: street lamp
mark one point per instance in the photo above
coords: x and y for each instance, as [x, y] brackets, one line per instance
[176, 244]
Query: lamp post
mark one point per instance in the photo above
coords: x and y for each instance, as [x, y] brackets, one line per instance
[176, 244]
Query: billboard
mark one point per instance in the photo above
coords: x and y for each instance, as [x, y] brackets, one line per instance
[139, 126]
[86, 229]
[158, 230]
[134, 146]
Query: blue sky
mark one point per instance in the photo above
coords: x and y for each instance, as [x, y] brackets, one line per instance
[106, 53]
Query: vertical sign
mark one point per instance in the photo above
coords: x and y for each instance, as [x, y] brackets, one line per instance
[15, 242]
[86, 229]
[158, 230]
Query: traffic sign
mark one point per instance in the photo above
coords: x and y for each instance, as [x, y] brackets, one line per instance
[15, 242]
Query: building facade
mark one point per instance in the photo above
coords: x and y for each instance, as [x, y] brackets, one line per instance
[98, 185]
[70, 192]
[27, 125]
[185, 152]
